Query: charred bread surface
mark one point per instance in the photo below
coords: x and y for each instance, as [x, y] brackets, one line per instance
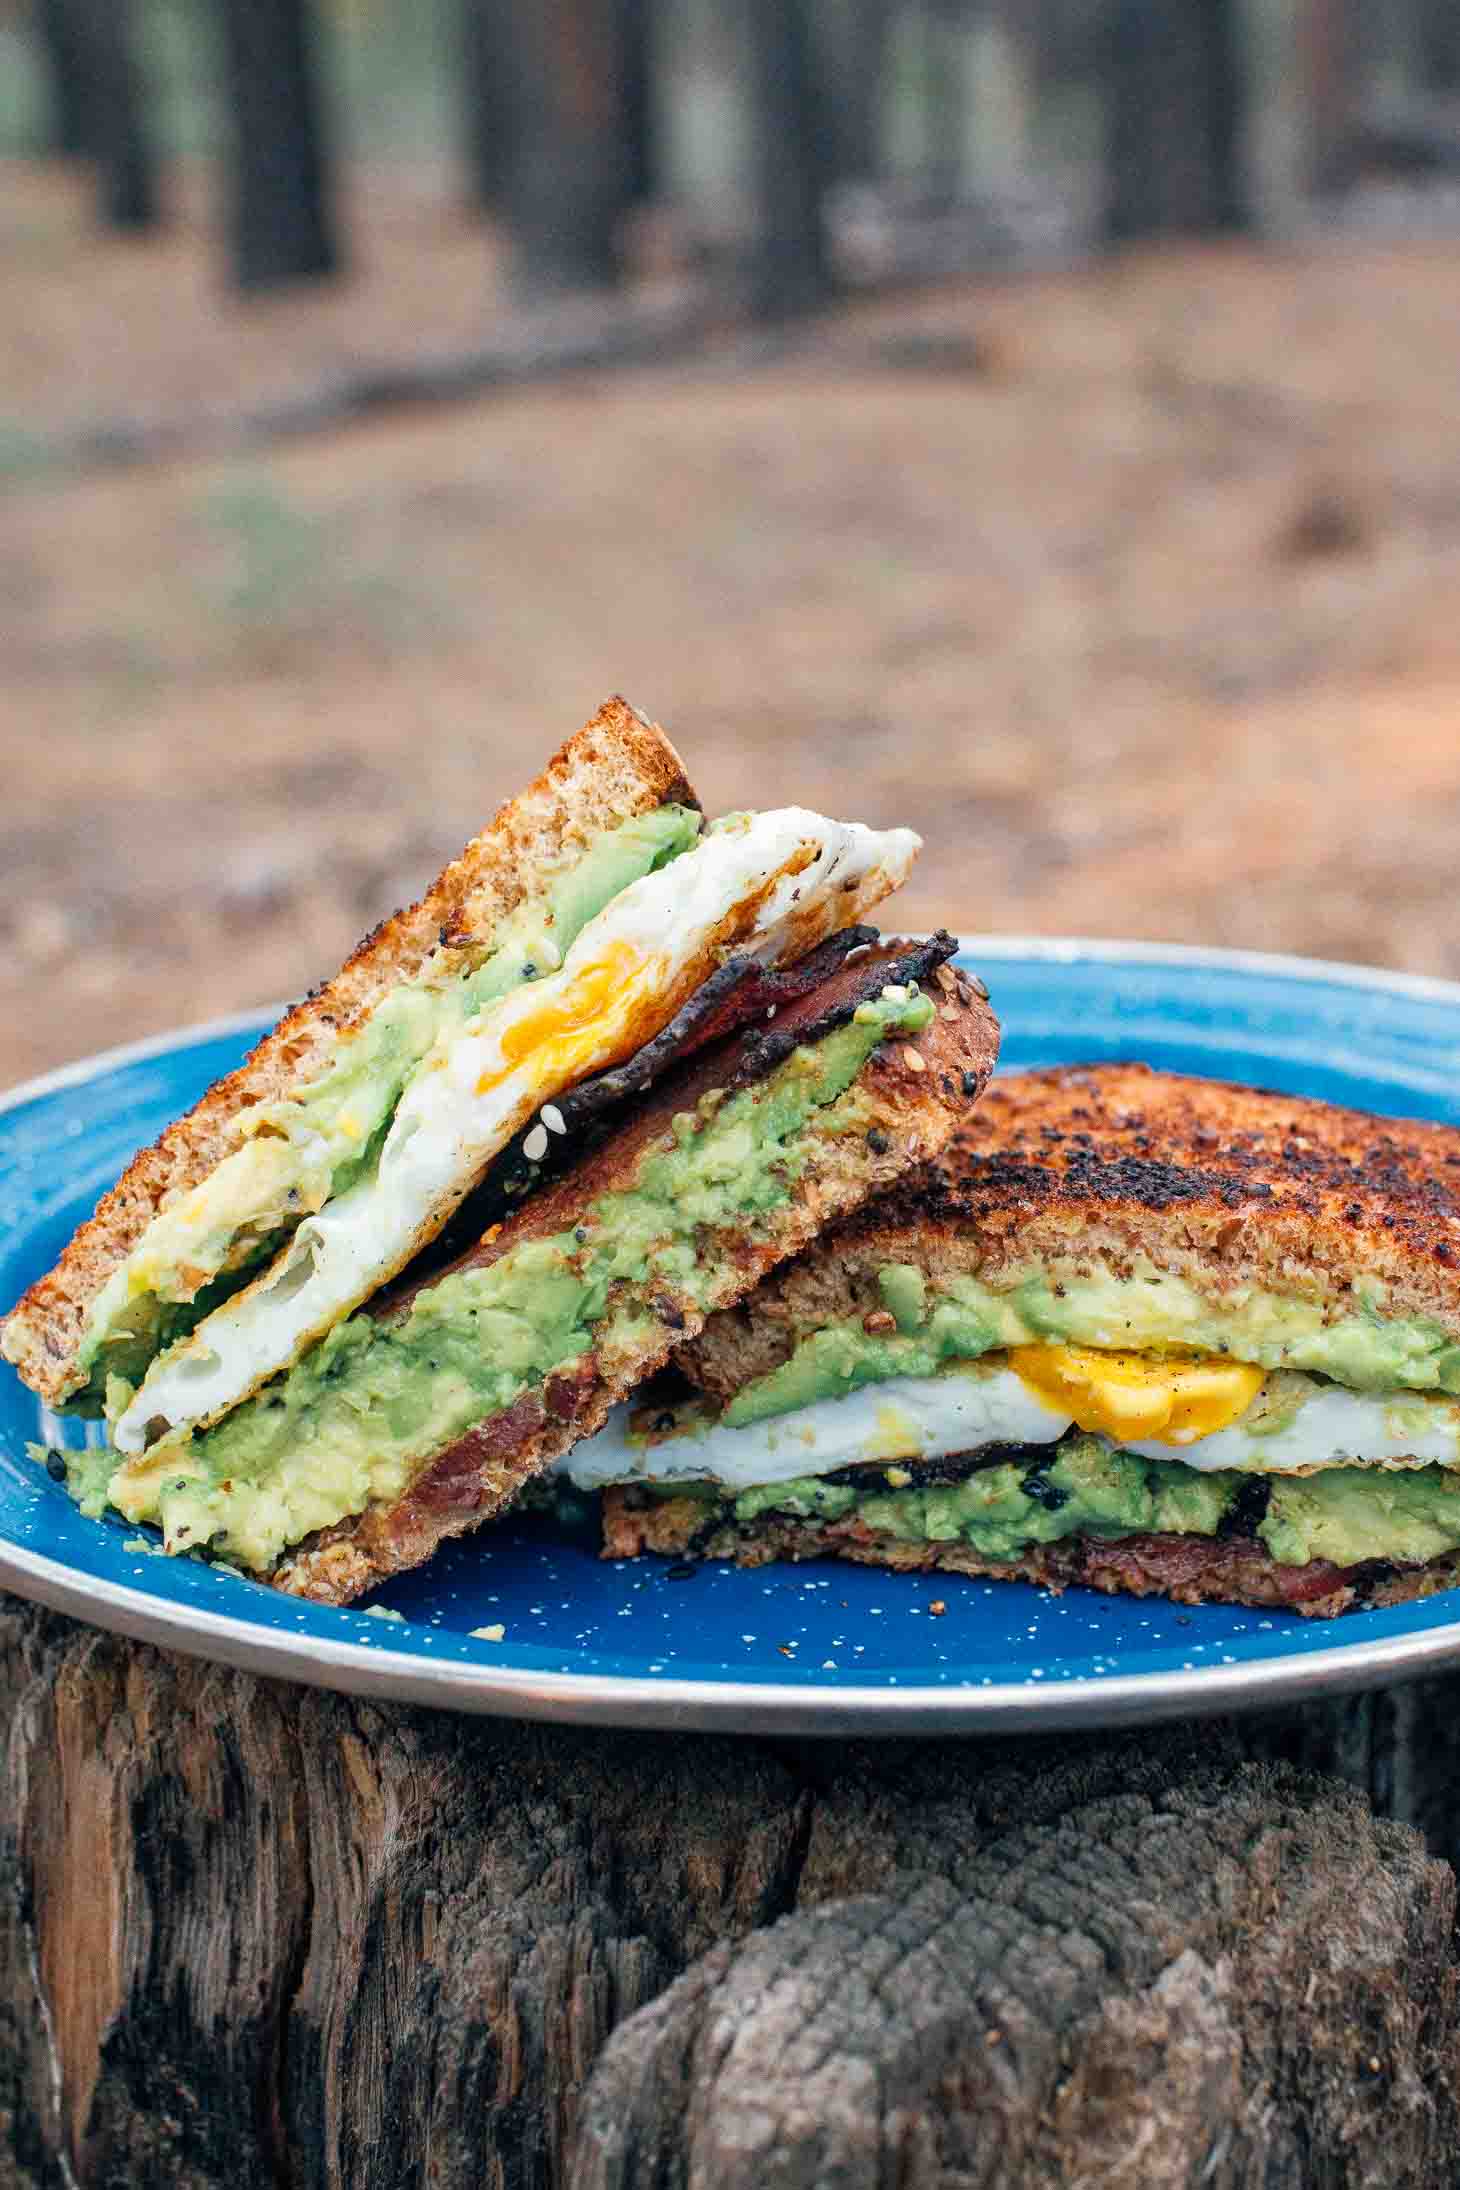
[1100, 1165]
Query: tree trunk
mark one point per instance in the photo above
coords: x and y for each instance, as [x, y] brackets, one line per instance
[856, 69]
[56, 33]
[252, 1934]
[944, 95]
[1439, 46]
[114, 124]
[1176, 103]
[488, 109]
[570, 168]
[794, 152]
[1330, 64]
[280, 226]
[640, 123]
[491, 88]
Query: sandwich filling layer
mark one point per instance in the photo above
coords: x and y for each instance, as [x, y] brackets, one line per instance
[299, 1153]
[1076, 1404]
[769, 885]
[1002, 1508]
[362, 1410]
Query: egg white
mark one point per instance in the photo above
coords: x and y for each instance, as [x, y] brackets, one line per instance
[962, 1408]
[769, 885]
[911, 1417]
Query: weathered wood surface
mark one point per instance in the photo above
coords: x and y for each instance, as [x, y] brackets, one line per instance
[256, 1935]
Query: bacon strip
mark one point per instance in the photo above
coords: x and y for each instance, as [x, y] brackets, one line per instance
[806, 1012]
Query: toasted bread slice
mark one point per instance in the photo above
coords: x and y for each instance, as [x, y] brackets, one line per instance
[899, 1112]
[1186, 1569]
[619, 766]
[1101, 1166]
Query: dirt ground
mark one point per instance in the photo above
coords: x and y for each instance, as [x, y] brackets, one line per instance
[1134, 590]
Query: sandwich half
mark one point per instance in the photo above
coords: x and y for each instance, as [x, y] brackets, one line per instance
[205, 1213]
[566, 937]
[286, 1310]
[427, 1411]
[1146, 1333]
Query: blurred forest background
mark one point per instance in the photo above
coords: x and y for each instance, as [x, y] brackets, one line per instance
[1035, 420]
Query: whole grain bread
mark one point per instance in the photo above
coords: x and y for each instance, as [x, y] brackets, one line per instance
[1106, 1166]
[1185, 1569]
[905, 1104]
[619, 765]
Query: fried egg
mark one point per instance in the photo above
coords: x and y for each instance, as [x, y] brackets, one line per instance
[911, 1417]
[1176, 1398]
[770, 886]
[1295, 1423]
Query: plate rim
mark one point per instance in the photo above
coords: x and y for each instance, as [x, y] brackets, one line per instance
[661, 1702]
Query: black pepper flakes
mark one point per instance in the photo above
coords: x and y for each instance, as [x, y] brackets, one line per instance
[1037, 1485]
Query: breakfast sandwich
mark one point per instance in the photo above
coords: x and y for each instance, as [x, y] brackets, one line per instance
[615, 1065]
[1142, 1332]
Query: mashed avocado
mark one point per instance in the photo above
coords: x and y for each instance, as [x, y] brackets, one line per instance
[300, 1152]
[353, 1418]
[961, 1319]
[1090, 1488]
[1086, 1488]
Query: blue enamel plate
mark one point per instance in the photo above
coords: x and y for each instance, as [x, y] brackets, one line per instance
[522, 1621]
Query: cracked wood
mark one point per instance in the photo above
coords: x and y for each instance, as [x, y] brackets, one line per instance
[255, 1935]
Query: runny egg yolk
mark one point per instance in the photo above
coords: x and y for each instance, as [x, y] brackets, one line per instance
[599, 1000]
[1125, 1396]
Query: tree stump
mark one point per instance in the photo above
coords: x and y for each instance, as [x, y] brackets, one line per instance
[258, 1935]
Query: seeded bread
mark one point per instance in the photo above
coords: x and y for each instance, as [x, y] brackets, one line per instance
[1093, 1167]
[902, 1109]
[618, 766]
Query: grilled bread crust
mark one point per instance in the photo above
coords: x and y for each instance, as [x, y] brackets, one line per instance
[914, 1091]
[618, 766]
[1211, 1571]
[1108, 1166]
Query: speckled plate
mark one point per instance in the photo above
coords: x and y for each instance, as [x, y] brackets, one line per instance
[812, 1649]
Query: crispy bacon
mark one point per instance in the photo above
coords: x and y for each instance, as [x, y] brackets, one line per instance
[464, 1476]
[735, 995]
[1217, 1566]
[815, 997]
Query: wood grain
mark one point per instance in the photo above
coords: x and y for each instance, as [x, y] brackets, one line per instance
[258, 1935]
